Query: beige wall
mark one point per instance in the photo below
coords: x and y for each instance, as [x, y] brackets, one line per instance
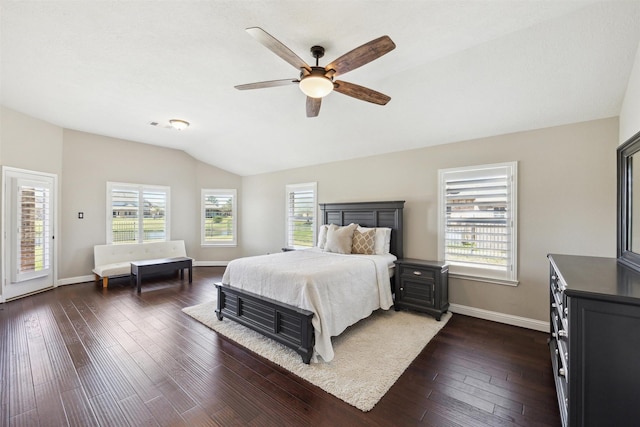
[567, 200]
[85, 162]
[566, 189]
[92, 160]
[630, 112]
[31, 144]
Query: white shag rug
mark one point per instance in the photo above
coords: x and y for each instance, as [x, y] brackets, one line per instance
[369, 356]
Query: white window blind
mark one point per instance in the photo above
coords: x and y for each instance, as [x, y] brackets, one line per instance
[137, 213]
[477, 235]
[34, 233]
[301, 215]
[219, 217]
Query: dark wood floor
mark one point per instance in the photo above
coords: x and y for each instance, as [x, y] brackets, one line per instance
[80, 355]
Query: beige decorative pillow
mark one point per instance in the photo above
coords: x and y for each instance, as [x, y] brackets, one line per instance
[340, 239]
[363, 242]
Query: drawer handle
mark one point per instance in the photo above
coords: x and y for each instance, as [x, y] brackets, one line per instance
[417, 273]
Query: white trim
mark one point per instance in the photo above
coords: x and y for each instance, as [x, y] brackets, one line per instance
[494, 316]
[479, 273]
[91, 278]
[9, 171]
[39, 291]
[18, 276]
[210, 263]
[483, 279]
[141, 188]
[291, 188]
[77, 279]
[234, 209]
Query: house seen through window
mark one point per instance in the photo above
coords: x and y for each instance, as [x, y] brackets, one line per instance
[477, 231]
[137, 213]
[34, 231]
[219, 217]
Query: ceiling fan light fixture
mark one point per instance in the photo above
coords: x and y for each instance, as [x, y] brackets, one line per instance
[316, 85]
[179, 124]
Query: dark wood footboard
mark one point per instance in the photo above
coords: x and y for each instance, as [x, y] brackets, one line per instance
[289, 325]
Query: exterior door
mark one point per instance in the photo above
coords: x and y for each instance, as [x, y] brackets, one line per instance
[28, 245]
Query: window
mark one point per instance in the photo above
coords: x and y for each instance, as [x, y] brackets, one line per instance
[28, 223]
[137, 213]
[301, 215]
[34, 230]
[477, 227]
[219, 218]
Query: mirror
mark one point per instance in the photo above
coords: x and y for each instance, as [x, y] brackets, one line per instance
[629, 202]
[634, 205]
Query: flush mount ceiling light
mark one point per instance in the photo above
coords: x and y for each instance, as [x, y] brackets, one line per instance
[179, 124]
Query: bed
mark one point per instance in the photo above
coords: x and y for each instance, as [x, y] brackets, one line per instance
[299, 304]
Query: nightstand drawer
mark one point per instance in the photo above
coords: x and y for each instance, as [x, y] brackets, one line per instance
[415, 272]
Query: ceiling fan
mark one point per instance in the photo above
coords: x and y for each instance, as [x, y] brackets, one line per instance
[316, 81]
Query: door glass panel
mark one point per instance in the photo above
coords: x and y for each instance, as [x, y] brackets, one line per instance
[33, 242]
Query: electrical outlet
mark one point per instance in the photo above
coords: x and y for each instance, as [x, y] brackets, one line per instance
[80, 215]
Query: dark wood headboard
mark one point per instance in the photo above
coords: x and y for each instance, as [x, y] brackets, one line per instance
[368, 214]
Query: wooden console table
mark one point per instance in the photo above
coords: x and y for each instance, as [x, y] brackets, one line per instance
[164, 265]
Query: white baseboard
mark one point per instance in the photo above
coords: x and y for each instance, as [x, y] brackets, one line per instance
[91, 278]
[495, 316]
[210, 263]
[74, 280]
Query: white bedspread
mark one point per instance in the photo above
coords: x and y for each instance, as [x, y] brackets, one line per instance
[339, 289]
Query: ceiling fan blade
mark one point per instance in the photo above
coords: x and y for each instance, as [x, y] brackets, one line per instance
[361, 92]
[313, 106]
[362, 55]
[270, 83]
[275, 46]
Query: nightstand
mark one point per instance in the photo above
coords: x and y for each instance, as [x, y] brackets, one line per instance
[422, 286]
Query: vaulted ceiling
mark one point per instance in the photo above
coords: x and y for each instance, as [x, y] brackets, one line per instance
[461, 70]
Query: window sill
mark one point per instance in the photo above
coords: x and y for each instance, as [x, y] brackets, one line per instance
[484, 279]
[218, 245]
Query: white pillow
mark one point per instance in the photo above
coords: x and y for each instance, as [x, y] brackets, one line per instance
[386, 247]
[340, 239]
[322, 236]
[382, 242]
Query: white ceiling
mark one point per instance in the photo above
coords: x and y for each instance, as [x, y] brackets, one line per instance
[461, 70]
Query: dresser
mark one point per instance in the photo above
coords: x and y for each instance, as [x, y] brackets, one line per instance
[595, 340]
[422, 285]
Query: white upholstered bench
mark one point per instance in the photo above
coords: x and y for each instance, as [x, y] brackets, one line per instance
[115, 260]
